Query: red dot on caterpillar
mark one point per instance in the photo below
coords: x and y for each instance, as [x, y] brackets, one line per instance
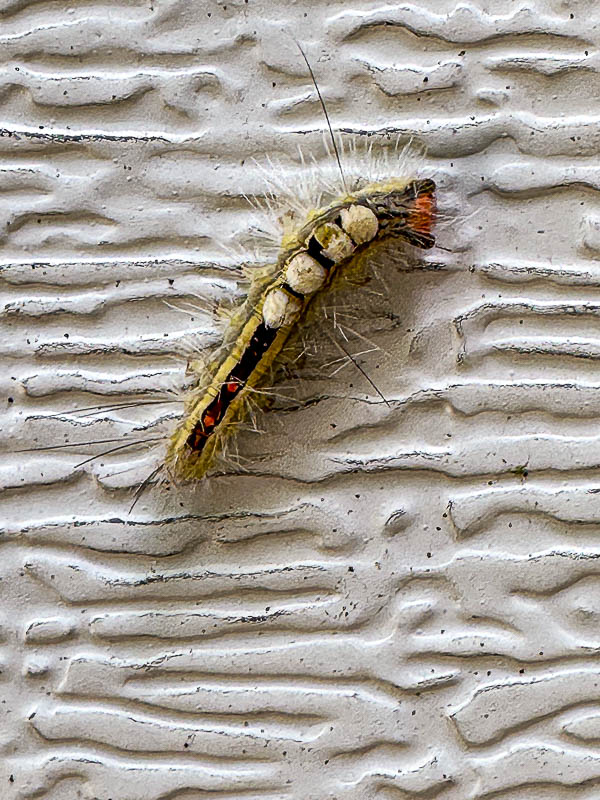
[208, 421]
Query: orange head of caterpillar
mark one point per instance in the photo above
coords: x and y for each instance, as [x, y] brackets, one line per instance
[407, 212]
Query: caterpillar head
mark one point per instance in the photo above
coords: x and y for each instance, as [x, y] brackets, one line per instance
[408, 212]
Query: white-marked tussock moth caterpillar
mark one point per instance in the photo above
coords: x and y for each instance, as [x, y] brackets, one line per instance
[344, 224]
[311, 253]
[327, 241]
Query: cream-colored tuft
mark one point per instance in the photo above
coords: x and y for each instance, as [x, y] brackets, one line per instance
[335, 244]
[304, 274]
[360, 223]
[280, 308]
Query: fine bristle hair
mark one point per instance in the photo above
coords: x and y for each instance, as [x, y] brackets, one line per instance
[293, 192]
[326, 115]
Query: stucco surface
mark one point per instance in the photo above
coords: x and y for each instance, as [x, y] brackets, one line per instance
[386, 600]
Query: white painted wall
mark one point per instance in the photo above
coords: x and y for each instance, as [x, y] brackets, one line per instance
[392, 601]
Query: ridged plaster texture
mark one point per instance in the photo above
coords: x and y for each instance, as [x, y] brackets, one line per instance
[382, 601]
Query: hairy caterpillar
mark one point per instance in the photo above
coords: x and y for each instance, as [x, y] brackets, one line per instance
[329, 239]
[315, 248]
[309, 257]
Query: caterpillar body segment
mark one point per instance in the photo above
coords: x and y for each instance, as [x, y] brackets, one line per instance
[212, 414]
[310, 255]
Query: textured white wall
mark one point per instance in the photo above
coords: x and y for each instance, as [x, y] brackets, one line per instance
[393, 601]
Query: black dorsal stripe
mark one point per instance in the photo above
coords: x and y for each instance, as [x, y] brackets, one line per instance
[314, 250]
[293, 292]
[213, 414]
[338, 222]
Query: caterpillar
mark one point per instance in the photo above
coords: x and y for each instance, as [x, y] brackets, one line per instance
[310, 256]
[328, 241]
